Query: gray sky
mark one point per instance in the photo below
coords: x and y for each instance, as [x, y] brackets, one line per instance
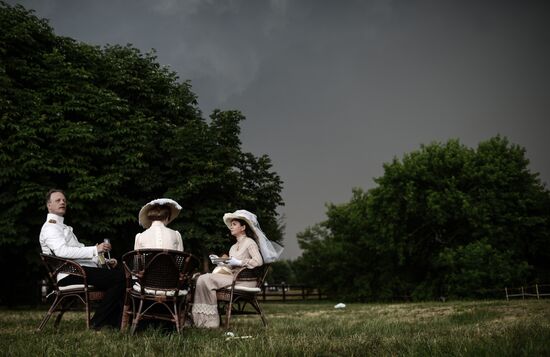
[334, 89]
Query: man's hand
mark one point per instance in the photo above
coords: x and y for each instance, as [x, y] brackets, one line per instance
[103, 247]
[112, 263]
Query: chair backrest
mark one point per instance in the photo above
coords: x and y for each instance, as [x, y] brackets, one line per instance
[55, 265]
[257, 274]
[160, 268]
[161, 272]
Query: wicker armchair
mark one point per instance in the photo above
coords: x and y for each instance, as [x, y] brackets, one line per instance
[66, 296]
[157, 277]
[233, 299]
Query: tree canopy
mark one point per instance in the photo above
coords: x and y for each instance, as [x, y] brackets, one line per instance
[115, 129]
[445, 220]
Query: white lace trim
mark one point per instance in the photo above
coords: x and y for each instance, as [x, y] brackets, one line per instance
[205, 309]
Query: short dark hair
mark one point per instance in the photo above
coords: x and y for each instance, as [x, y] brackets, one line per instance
[52, 191]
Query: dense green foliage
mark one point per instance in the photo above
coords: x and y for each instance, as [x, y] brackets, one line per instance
[473, 328]
[444, 220]
[115, 129]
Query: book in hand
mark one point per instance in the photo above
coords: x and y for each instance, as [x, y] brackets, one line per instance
[218, 260]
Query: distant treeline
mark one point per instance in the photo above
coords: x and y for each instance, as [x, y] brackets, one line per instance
[444, 221]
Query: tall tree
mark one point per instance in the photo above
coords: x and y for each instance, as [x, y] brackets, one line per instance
[115, 129]
[439, 217]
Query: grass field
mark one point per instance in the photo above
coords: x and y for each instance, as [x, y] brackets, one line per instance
[472, 328]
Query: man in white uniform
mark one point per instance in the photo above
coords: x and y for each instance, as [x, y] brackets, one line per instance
[58, 239]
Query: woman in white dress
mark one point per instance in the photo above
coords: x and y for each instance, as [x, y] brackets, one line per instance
[245, 252]
[154, 216]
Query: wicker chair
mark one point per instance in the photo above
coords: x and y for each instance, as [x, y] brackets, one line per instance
[66, 296]
[157, 277]
[233, 299]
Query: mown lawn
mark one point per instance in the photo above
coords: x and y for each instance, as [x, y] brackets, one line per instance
[472, 328]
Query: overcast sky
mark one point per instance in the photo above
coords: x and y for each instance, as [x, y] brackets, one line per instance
[334, 89]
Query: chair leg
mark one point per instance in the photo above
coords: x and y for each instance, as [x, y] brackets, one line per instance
[256, 305]
[176, 315]
[137, 317]
[87, 304]
[64, 307]
[49, 313]
[185, 312]
[181, 314]
[44, 321]
[125, 313]
[258, 308]
[228, 308]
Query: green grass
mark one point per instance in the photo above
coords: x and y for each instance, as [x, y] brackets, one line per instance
[472, 328]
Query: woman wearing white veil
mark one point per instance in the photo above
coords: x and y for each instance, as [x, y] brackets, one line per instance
[245, 252]
[270, 250]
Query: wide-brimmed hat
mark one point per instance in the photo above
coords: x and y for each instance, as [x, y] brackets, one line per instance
[270, 250]
[248, 217]
[175, 209]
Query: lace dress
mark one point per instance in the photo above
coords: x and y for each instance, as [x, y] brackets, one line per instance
[205, 305]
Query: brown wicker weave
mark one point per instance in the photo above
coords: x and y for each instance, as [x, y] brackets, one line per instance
[161, 275]
[65, 299]
[233, 300]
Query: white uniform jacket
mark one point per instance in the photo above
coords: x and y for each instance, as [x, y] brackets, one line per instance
[58, 239]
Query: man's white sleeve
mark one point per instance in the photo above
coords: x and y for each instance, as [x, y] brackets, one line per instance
[70, 247]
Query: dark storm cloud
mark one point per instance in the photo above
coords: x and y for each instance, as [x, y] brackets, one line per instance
[333, 89]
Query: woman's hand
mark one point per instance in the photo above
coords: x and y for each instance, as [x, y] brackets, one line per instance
[213, 258]
[234, 262]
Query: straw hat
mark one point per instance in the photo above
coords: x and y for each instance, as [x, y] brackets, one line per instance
[175, 209]
[248, 217]
[270, 250]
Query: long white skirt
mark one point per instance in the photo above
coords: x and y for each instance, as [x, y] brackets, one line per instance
[205, 304]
